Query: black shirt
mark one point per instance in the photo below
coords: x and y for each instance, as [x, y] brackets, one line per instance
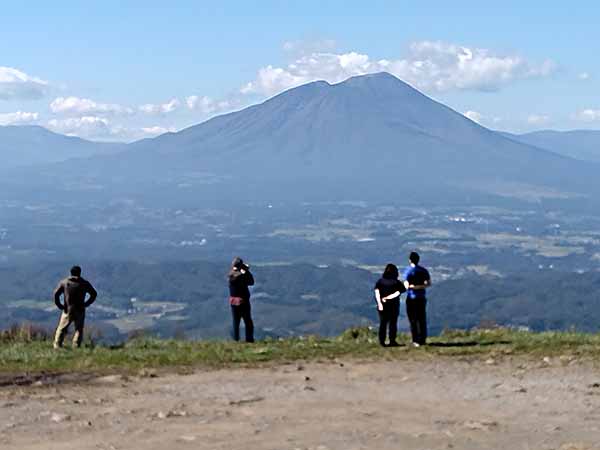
[74, 290]
[387, 286]
[238, 284]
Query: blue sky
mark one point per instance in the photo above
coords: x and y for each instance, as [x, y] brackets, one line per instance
[107, 71]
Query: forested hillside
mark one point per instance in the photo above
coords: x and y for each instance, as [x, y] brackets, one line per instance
[189, 299]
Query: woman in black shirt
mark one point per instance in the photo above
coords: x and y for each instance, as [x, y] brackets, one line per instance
[387, 294]
[239, 298]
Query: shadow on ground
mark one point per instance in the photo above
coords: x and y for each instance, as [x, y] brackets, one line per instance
[468, 344]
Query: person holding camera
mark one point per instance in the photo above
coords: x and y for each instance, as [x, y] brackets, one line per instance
[240, 279]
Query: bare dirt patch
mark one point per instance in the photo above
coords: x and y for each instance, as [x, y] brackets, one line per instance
[439, 403]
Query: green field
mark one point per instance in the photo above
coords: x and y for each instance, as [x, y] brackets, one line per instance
[22, 353]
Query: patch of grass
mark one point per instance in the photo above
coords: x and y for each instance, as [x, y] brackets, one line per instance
[24, 353]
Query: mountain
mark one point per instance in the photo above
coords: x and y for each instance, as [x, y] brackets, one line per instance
[28, 145]
[369, 137]
[579, 144]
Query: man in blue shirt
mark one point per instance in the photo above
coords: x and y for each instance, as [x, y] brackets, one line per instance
[416, 281]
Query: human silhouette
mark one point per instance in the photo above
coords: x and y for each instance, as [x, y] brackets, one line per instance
[74, 290]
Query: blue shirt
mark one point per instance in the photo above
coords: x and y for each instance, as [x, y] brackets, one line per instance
[416, 275]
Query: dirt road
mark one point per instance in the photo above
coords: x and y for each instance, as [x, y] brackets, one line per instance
[440, 403]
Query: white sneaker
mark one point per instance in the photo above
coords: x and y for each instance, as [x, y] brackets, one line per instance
[416, 345]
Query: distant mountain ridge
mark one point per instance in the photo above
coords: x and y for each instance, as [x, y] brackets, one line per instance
[29, 144]
[579, 144]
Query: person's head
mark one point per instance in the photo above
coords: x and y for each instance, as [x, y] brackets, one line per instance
[75, 271]
[414, 258]
[237, 265]
[391, 272]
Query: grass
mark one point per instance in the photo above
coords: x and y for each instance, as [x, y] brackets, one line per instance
[30, 351]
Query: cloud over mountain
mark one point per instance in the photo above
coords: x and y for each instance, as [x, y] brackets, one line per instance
[86, 126]
[18, 118]
[430, 66]
[85, 106]
[588, 115]
[161, 108]
[17, 85]
[156, 130]
[207, 105]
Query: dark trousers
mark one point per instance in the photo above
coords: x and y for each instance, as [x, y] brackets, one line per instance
[388, 320]
[416, 310]
[239, 312]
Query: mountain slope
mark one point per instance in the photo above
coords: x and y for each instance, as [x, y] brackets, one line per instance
[579, 144]
[28, 145]
[371, 136]
[364, 129]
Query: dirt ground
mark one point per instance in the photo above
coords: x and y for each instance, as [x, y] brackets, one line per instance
[440, 403]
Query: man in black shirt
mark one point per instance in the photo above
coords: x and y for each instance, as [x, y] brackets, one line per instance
[74, 290]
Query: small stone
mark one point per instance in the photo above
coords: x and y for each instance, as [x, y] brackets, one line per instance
[176, 413]
[547, 360]
[111, 379]
[59, 418]
[483, 425]
[147, 373]
[161, 415]
[306, 378]
[490, 361]
[188, 438]
[245, 401]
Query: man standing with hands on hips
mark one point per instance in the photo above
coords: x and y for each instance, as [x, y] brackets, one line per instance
[74, 290]
[416, 281]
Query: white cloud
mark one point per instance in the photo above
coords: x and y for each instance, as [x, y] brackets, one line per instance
[17, 85]
[474, 116]
[538, 119]
[588, 115]
[429, 66]
[584, 76]
[163, 108]
[207, 105]
[18, 118]
[85, 106]
[156, 130]
[85, 127]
